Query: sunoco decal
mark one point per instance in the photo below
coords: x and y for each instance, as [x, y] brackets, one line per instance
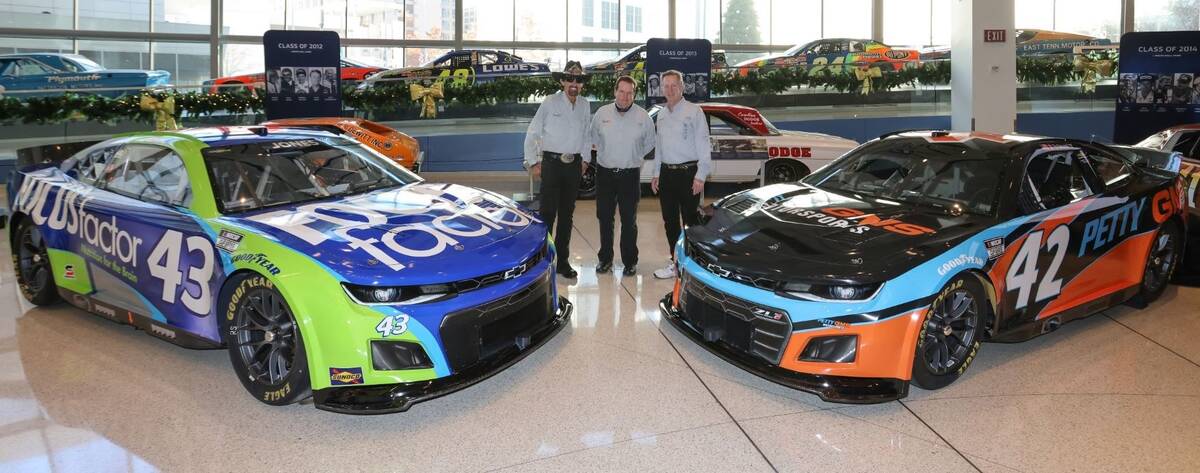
[345, 376]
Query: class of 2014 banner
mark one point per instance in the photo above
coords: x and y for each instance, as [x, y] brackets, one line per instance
[691, 57]
[1157, 83]
[303, 72]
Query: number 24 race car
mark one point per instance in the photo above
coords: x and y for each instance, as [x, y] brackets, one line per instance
[892, 264]
[324, 268]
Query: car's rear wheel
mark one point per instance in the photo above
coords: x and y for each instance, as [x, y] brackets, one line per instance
[264, 341]
[32, 264]
[587, 183]
[950, 336]
[783, 170]
[1161, 262]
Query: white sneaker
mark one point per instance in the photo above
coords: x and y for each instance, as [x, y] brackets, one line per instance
[666, 272]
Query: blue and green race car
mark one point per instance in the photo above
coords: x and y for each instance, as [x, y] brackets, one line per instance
[324, 268]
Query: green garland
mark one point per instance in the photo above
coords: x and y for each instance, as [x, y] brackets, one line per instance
[1047, 70]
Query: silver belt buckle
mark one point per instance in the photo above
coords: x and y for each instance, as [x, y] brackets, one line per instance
[566, 158]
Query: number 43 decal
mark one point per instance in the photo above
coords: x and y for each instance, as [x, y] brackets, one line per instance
[164, 265]
[1023, 272]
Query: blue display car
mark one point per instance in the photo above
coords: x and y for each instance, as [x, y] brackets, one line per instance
[40, 74]
[326, 269]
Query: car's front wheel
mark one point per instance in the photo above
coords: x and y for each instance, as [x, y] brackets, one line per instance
[783, 170]
[32, 264]
[951, 334]
[264, 341]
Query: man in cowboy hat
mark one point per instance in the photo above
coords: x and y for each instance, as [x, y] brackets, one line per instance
[555, 146]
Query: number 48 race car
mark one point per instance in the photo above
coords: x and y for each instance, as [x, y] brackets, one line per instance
[323, 267]
[892, 264]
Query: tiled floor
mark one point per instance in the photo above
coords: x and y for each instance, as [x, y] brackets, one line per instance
[618, 390]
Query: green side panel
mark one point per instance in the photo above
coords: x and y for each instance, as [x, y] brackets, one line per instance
[70, 271]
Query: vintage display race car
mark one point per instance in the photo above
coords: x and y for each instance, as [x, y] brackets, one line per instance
[464, 66]
[746, 147]
[1032, 42]
[833, 53]
[350, 72]
[892, 264]
[399, 147]
[634, 59]
[321, 266]
[40, 74]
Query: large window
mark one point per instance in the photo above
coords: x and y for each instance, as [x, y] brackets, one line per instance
[609, 14]
[429, 19]
[1167, 15]
[795, 22]
[1099, 18]
[492, 20]
[539, 20]
[375, 19]
[114, 15]
[37, 14]
[847, 19]
[252, 18]
[746, 22]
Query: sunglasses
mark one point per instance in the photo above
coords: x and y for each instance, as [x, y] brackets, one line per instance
[574, 79]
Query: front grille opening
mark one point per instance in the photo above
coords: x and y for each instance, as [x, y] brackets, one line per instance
[738, 324]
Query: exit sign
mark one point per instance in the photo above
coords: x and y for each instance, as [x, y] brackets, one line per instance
[993, 36]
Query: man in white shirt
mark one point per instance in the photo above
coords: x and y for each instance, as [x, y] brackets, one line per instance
[623, 133]
[554, 146]
[682, 161]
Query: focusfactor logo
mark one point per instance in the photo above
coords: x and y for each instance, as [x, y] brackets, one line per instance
[368, 229]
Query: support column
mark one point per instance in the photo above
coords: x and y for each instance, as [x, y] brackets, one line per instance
[877, 20]
[983, 84]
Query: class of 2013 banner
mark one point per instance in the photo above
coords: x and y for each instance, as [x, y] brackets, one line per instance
[691, 57]
[1157, 83]
[303, 72]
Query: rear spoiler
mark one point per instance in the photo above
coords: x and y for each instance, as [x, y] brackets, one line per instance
[1168, 161]
[50, 154]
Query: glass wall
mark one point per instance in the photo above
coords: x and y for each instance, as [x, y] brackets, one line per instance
[532, 28]
[1098, 18]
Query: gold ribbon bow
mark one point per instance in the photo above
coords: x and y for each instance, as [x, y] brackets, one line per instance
[164, 111]
[866, 75]
[1092, 71]
[428, 97]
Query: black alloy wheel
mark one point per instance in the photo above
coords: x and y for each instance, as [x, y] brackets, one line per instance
[951, 333]
[32, 263]
[265, 343]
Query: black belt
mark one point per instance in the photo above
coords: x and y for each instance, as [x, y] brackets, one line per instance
[687, 165]
[566, 158]
[617, 170]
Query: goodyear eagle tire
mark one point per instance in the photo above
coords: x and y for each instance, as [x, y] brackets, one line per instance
[31, 262]
[587, 183]
[264, 341]
[1161, 263]
[950, 336]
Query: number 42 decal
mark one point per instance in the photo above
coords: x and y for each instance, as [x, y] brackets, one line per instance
[1023, 272]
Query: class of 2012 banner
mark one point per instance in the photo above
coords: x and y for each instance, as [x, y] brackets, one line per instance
[1157, 83]
[303, 72]
[691, 57]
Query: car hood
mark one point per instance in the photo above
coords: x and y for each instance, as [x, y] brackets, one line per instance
[789, 232]
[819, 139]
[417, 234]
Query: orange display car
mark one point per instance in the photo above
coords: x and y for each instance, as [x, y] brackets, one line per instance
[350, 72]
[396, 145]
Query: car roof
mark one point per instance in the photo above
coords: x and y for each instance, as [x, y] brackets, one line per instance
[1186, 126]
[987, 143]
[233, 135]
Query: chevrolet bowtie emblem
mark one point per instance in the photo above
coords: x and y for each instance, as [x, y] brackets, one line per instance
[719, 271]
[512, 273]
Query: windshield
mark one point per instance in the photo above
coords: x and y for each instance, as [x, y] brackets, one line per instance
[943, 175]
[251, 176]
[797, 48]
[86, 64]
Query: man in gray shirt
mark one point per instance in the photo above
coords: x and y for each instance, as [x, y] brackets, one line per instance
[554, 145]
[623, 133]
[682, 161]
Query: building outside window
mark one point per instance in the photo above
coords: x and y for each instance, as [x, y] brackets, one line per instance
[633, 19]
[609, 12]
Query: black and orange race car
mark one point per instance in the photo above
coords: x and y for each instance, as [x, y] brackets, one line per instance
[397, 146]
[893, 263]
